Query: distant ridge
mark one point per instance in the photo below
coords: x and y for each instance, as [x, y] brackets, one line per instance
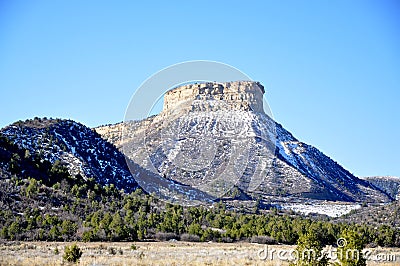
[389, 184]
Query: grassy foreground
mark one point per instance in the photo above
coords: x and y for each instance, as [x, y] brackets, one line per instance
[146, 253]
[153, 253]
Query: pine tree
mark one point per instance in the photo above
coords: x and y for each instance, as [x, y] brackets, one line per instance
[309, 250]
[72, 253]
[350, 249]
[117, 227]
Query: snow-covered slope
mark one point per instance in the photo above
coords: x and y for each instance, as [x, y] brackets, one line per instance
[298, 170]
[85, 153]
[202, 141]
[74, 145]
[330, 180]
[389, 184]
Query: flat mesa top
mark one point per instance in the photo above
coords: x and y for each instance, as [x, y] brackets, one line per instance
[242, 95]
[239, 85]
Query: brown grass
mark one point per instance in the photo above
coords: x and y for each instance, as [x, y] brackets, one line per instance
[148, 253]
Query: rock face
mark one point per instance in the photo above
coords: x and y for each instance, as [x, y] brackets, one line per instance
[215, 137]
[240, 95]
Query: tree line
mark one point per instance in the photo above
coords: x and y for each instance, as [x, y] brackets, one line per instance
[95, 213]
[44, 202]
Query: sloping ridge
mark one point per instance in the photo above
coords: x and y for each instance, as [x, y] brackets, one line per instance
[332, 181]
[75, 146]
[85, 154]
[298, 170]
[389, 184]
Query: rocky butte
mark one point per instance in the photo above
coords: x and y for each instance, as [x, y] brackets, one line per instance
[215, 137]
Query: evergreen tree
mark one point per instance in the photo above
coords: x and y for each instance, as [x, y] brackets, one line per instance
[309, 250]
[350, 249]
[72, 253]
[117, 227]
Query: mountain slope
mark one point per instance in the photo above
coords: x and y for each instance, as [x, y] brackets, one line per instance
[295, 163]
[85, 155]
[82, 151]
[166, 144]
[331, 180]
[389, 184]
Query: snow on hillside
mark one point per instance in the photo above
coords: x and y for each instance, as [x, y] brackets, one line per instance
[76, 146]
[329, 209]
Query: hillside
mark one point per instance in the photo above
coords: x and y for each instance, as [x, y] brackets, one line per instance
[211, 134]
[85, 154]
[55, 206]
[375, 215]
[42, 198]
[81, 150]
[389, 184]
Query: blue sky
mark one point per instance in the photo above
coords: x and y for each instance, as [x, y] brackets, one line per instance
[331, 69]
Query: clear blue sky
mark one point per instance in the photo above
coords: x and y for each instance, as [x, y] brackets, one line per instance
[331, 68]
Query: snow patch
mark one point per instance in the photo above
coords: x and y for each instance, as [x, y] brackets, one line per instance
[332, 210]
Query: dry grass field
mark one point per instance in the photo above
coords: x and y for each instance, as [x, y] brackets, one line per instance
[154, 253]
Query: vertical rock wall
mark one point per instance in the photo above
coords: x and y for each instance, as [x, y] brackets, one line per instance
[238, 95]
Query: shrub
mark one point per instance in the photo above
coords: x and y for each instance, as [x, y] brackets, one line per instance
[165, 236]
[111, 251]
[263, 240]
[190, 238]
[226, 239]
[72, 253]
[88, 236]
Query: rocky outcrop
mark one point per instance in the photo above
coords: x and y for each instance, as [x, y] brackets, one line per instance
[209, 96]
